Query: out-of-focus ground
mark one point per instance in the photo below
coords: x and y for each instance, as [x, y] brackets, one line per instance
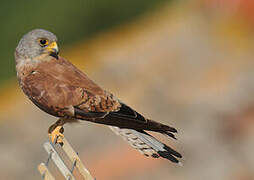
[189, 65]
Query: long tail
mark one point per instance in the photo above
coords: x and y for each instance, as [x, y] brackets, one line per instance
[147, 144]
[132, 126]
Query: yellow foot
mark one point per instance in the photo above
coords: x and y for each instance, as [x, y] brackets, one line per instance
[56, 135]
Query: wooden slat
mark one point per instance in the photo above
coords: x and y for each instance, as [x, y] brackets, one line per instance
[74, 157]
[43, 169]
[58, 161]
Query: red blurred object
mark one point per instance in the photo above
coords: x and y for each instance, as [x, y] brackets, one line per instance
[243, 8]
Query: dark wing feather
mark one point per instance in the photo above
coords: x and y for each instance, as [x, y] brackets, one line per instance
[125, 112]
[125, 117]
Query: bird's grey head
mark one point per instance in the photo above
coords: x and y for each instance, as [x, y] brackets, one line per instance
[36, 43]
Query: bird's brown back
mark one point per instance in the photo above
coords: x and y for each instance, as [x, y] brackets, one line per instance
[58, 85]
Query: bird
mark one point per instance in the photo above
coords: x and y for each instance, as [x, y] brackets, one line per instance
[59, 88]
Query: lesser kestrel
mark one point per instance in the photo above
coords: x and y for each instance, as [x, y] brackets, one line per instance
[59, 88]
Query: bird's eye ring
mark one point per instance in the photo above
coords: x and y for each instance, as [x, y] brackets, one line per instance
[43, 42]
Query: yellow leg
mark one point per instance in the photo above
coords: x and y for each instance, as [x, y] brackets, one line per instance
[55, 132]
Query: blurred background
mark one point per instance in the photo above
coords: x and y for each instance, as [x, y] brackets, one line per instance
[189, 64]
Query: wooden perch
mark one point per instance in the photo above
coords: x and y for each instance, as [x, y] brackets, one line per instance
[56, 158]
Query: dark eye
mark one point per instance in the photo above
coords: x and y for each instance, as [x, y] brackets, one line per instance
[43, 42]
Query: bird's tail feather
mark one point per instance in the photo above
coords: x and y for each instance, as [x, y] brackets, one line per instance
[147, 144]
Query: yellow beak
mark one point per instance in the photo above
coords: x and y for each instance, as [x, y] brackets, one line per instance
[53, 49]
